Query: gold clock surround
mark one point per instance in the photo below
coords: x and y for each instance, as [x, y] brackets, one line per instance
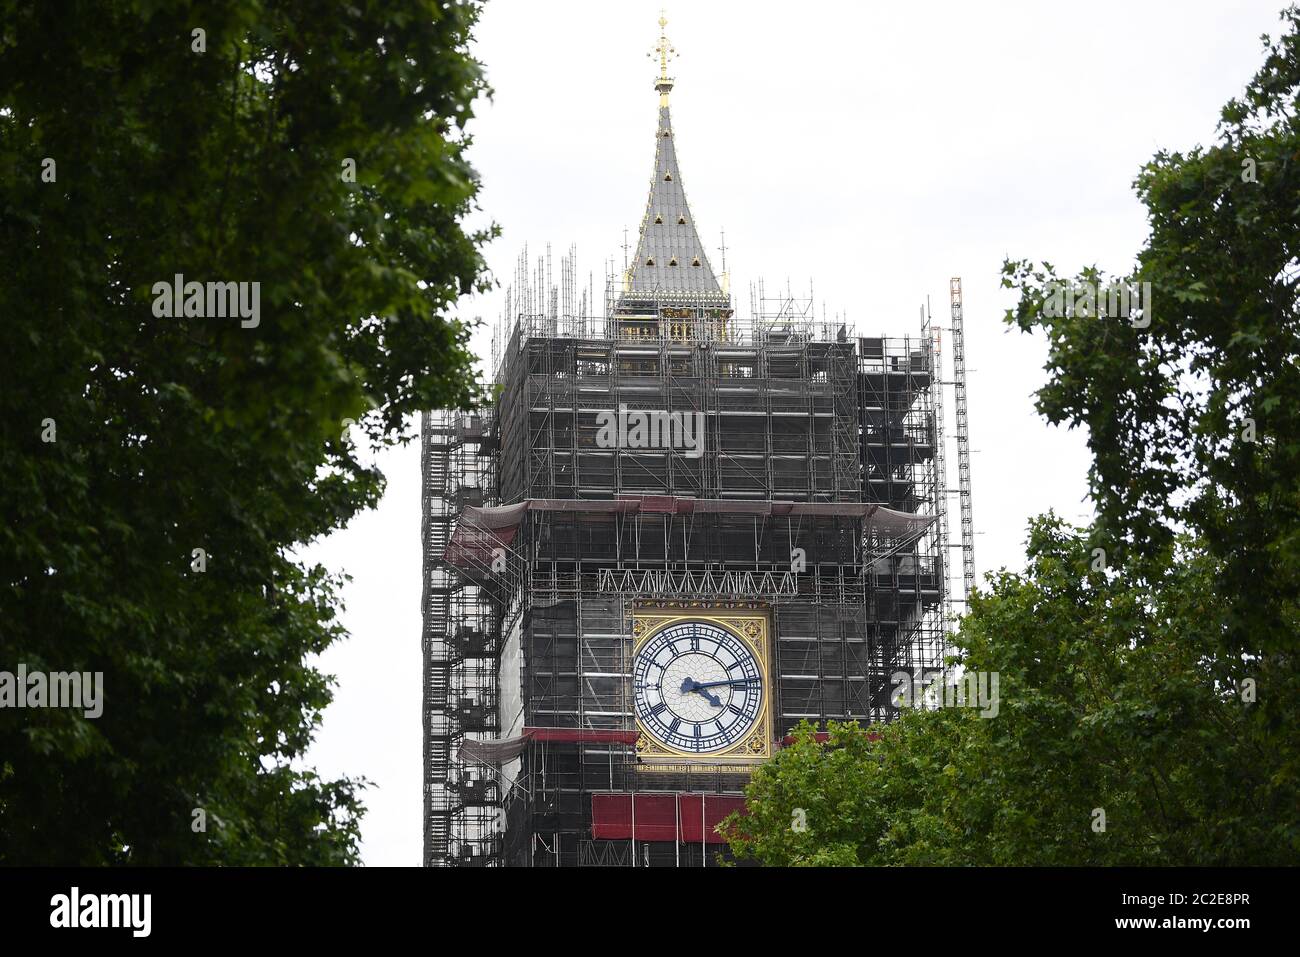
[751, 625]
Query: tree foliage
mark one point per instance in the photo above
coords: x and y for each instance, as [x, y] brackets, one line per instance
[1159, 687]
[1107, 702]
[211, 140]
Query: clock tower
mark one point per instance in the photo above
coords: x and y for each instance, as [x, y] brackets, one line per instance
[677, 532]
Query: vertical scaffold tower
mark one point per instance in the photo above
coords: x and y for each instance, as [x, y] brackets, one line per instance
[931, 334]
[461, 636]
[963, 438]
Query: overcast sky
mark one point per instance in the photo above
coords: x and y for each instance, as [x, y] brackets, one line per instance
[873, 149]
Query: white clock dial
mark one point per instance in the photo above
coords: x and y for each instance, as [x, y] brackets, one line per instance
[697, 687]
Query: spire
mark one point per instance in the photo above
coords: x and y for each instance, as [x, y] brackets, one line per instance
[670, 261]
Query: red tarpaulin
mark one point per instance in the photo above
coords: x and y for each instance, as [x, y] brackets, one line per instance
[582, 735]
[661, 817]
[663, 504]
[501, 750]
[716, 807]
[482, 531]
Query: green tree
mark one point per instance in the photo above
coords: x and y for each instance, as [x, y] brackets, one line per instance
[320, 152]
[1158, 686]
[1112, 741]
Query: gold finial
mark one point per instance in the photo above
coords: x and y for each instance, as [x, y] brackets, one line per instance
[666, 52]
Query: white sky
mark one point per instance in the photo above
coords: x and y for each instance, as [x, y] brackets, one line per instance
[876, 149]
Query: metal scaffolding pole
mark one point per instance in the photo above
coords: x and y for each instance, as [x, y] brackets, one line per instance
[935, 339]
[963, 438]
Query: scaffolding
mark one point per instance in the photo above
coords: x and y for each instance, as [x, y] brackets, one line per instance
[934, 337]
[794, 486]
[463, 616]
[805, 429]
[963, 438]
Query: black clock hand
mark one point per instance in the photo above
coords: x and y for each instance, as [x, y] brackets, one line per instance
[731, 681]
[690, 684]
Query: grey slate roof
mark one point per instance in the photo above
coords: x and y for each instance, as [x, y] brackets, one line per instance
[670, 259]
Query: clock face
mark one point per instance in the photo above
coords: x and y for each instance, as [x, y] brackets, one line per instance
[697, 687]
